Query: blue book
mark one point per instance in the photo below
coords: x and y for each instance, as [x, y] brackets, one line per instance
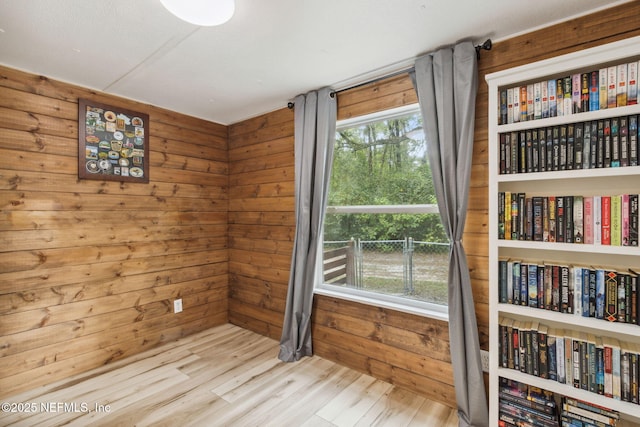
[600, 294]
[585, 292]
[532, 272]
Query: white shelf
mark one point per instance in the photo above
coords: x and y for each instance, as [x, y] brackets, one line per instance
[573, 321]
[570, 247]
[571, 118]
[600, 173]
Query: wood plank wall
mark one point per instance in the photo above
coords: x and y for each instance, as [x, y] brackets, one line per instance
[406, 350]
[89, 269]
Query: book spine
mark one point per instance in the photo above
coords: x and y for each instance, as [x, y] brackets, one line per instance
[523, 103]
[603, 85]
[633, 140]
[624, 141]
[624, 230]
[632, 83]
[621, 91]
[612, 87]
[611, 296]
[600, 294]
[594, 94]
[597, 220]
[552, 93]
[615, 142]
[616, 220]
[588, 219]
[532, 285]
[633, 220]
[606, 220]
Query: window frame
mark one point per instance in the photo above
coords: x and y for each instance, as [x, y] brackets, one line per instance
[407, 305]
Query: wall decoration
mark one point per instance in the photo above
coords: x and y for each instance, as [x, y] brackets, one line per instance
[113, 143]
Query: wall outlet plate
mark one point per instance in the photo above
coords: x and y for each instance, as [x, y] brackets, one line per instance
[484, 357]
[177, 305]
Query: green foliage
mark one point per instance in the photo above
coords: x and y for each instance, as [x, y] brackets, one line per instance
[379, 164]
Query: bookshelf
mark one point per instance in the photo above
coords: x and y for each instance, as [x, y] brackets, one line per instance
[587, 182]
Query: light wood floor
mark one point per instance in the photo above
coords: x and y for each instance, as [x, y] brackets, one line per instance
[225, 376]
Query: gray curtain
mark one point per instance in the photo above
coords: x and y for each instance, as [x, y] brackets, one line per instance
[314, 134]
[446, 82]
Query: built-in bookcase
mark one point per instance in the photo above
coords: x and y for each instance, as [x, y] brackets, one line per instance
[567, 155]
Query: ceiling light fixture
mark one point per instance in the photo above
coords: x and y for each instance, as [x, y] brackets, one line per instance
[206, 13]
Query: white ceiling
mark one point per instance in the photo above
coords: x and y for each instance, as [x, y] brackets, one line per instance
[269, 52]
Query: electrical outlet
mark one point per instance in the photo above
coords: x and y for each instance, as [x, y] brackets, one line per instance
[484, 357]
[177, 305]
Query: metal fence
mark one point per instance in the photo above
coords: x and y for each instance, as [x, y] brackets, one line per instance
[386, 266]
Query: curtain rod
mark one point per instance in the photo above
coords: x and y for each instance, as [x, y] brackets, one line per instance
[484, 46]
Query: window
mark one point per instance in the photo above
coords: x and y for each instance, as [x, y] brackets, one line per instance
[384, 242]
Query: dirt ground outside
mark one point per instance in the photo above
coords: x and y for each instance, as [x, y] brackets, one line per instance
[383, 272]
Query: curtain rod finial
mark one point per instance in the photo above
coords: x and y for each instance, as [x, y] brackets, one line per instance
[290, 105]
[487, 45]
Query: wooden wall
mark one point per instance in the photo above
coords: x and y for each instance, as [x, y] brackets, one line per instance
[407, 350]
[89, 269]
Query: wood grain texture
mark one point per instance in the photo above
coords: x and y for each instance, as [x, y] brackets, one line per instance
[89, 269]
[226, 375]
[346, 332]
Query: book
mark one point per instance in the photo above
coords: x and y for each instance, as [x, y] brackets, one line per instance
[538, 226]
[560, 219]
[567, 90]
[532, 285]
[587, 204]
[523, 103]
[537, 101]
[597, 220]
[594, 93]
[632, 83]
[606, 220]
[611, 296]
[616, 220]
[544, 98]
[576, 93]
[560, 97]
[600, 294]
[623, 132]
[633, 140]
[607, 143]
[603, 85]
[568, 219]
[624, 229]
[615, 142]
[552, 93]
[585, 79]
[530, 103]
[621, 91]
[612, 87]
[633, 220]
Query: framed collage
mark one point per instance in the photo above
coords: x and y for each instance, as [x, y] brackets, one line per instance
[113, 143]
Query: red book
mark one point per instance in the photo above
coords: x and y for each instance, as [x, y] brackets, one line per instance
[606, 220]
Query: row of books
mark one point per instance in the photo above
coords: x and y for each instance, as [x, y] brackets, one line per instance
[523, 405]
[605, 143]
[610, 87]
[602, 365]
[597, 293]
[599, 220]
[578, 413]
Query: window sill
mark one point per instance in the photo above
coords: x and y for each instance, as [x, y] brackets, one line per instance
[417, 308]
